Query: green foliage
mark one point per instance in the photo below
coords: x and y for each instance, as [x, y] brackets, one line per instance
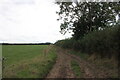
[80, 54]
[87, 16]
[65, 43]
[76, 69]
[68, 44]
[103, 42]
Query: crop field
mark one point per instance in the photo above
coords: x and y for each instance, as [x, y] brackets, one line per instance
[27, 61]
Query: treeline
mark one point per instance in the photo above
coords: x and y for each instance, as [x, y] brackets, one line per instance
[26, 43]
[102, 42]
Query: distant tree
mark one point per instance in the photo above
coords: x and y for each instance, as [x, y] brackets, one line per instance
[85, 17]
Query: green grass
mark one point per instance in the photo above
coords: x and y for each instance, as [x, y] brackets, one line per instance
[76, 69]
[28, 61]
[16, 53]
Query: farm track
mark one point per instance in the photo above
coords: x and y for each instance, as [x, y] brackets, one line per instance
[62, 68]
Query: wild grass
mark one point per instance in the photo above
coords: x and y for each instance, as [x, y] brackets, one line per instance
[76, 69]
[106, 64]
[27, 61]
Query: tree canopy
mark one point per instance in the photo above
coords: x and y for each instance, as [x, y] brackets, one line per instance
[84, 17]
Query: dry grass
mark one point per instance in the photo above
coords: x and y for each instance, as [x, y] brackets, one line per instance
[106, 64]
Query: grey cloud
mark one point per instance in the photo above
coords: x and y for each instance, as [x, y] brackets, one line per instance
[28, 23]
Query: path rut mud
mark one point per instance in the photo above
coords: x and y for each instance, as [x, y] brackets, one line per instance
[62, 68]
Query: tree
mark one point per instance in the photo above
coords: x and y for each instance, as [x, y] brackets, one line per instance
[85, 17]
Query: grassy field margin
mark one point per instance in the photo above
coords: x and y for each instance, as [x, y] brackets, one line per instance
[109, 65]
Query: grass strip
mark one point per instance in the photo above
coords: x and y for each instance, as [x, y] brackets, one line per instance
[76, 69]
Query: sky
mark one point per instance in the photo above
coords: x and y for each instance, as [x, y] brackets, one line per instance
[29, 21]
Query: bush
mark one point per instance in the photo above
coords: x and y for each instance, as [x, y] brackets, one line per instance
[103, 42]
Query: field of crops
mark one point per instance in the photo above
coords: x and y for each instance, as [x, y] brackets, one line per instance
[27, 61]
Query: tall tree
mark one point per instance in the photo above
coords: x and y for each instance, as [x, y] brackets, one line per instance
[85, 17]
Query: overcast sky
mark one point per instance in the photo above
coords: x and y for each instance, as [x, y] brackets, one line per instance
[29, 21]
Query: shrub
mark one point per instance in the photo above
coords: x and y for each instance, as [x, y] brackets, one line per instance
[103, 42]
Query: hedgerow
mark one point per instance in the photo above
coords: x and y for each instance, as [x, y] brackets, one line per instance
[102, 42]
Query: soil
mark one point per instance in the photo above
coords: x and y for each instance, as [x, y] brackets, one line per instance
[62, 67]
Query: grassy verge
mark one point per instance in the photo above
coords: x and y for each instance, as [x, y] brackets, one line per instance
[106, 64]
[76, 69]
[36, 65]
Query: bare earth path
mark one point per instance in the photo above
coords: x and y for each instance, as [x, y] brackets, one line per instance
[62, 68]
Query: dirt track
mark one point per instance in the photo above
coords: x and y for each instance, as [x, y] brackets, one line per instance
[62, 68]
